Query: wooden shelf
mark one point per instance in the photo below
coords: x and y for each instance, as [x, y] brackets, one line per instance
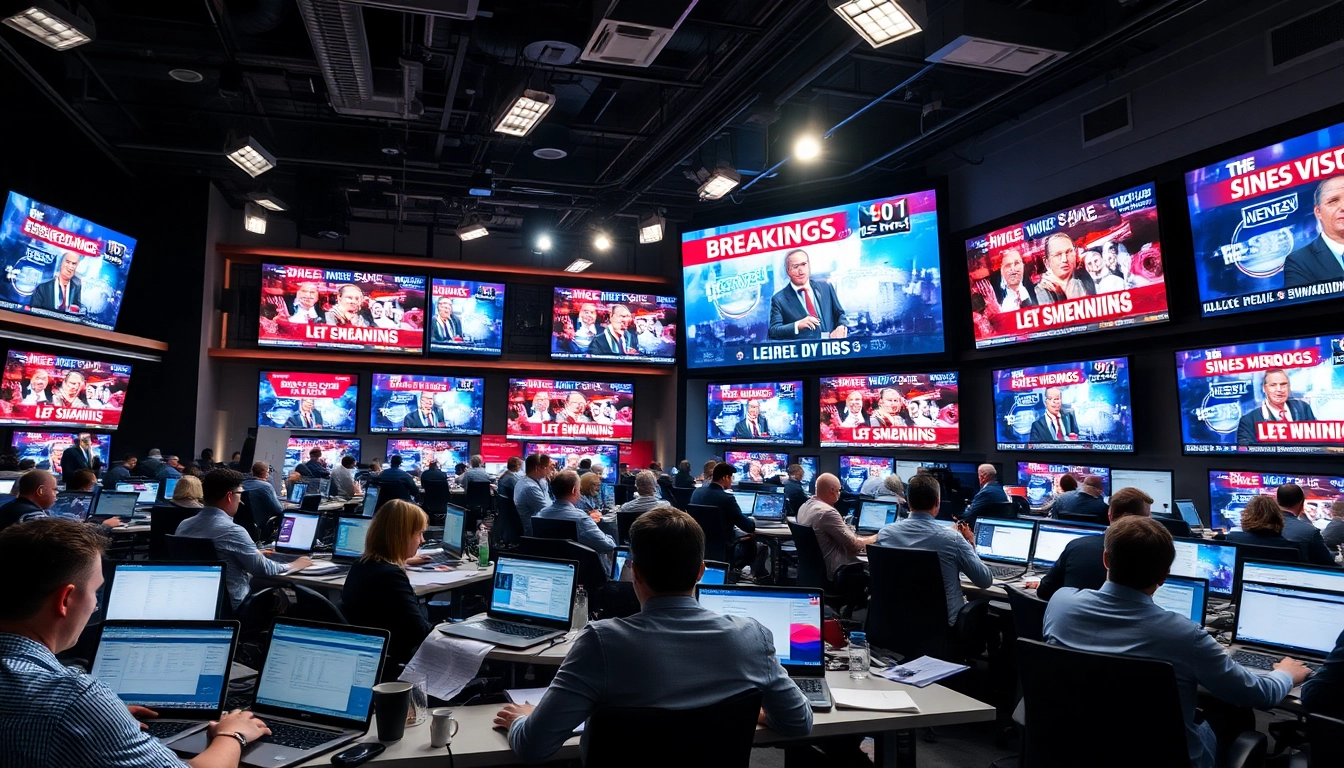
[80, 333]
[291, 357]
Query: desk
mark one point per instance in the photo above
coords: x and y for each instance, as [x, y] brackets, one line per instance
[467, 571]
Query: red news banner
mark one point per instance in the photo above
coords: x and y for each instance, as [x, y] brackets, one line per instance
[916, 437]
[572, 430]
[348, 334]
[1106, 307]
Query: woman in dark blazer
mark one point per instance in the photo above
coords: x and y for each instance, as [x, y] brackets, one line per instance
[1262, 525]
[378, 593]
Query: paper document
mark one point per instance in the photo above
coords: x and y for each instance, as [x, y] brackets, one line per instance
[447, 663]
[532, 696]
[921, 672]
[432, 578]
[882, 701]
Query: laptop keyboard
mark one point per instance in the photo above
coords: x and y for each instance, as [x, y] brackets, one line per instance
[1005, 571]
[514, 630]
[297, 736]
[280, 557]
[167, 729]
[1261, 661]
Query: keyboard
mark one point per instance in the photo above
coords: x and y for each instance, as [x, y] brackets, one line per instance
[298, 736]
[280, 557]
[514, 630]
[168, 728]
[1005, 571]
[809, 684]
[1261, 661]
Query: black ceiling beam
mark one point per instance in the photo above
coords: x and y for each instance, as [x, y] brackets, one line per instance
[450, 95]
[589, 72]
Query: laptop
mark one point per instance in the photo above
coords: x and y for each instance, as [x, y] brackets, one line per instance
[618, 558]
[311, 503]
[1286, 609]
[370, 501]
[147, 492]
[1186, 509]
[315, 691]
[7, 486]
[530, 602]
[716, 573]
[769, 509]
[115, 504]
[1212, 560]
[166, 488]
[179, 669]
[746, 501]
[298, 532]
[323, 485]
[454, 525]
[875, 514]
[1005, 545]
[154, 591]
[1187, 597]
[297, 492]
[793, 616]
[72, 505]
[1052, 536]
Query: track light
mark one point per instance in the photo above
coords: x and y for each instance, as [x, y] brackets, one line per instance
[807, 148]
[651, 228]
[880, 21]
[544, 243]
[254, 218]
[268, 201]
[578, 265]
[472, 231]
[720, 183]
[248, 154]
[525, 112]
[51, 25]
[601, 242]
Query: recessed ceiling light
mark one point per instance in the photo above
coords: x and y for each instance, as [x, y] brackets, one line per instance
[549, 153]
[185, 75]
[391, 151]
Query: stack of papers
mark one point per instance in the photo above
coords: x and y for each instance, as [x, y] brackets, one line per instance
[881, 701]
[447, 663]
[921, 672]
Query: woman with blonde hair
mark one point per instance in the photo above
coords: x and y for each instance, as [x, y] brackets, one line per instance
[590, 493]
[187, 493]
[378, 592]
[1262, 526]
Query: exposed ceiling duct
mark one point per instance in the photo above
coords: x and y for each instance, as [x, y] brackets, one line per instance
[341, 46]
[633, 32]
[983, 35]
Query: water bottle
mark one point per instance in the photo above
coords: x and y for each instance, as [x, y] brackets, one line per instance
[858, 655]
[483, 547]
[580, 618]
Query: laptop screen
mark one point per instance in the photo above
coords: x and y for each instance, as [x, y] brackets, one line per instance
[1051, 538]
[746, 501]
[1215, 561]
[793, 617]
[7, 486]
[1004, 541]
[1290, 607]
[1186, 509]
[538, 589]
[164, 592]
[297, 492]
[321, 670]
[370, 501]
[149, 492]
[618, 562]
[1187, 597]
[453, 522]
[115, 504]
[715, 573]
[769, 506]
[875, 514]
[72, 505]
[350, 533]
[297, 532]
[166, 667]
[169, 485]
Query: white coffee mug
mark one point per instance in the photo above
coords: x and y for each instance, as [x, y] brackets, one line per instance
[442, 727]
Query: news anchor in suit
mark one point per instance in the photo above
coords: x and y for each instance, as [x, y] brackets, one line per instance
[805, 308]
[307, 417]
[1277, 406]
[1010, 288]
[78, 456]
[1323, 258]
[446, 326]
[754, 425]
[617, 339]
[426, 416]
[1054, 426]
[62, 291]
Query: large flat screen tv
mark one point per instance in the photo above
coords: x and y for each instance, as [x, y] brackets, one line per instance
[46, 448]
[45, 390]
[1064, 407]
[898, 410]
[318, 308]
[1230, 490]
[757, 466]
[308, 402]
[1042, 479]
[426, 404]
[618, 326]
[769, 412]
[606, 457]
[555, 410]
[333, 450]
[465, 317]
[417, 453]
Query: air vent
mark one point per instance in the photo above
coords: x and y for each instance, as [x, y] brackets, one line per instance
[996, 56]
[632, 33]
[1307, 37]
[1106, 121]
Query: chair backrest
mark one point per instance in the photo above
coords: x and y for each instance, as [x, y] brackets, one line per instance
[1274, 554]
[907, 606]
[811, 563]
[1177, 528]
[546, 528]
[1001, 509]
[478, 495]
[622, 493]
[1326, 737]
[388, 491]
[592, 570]
[508, 526]
[623, 522]
[1063, 689]
[259, 610]
[717, 540]
[1023, 506]
[1028, 613]
[190, 548]
[163, 520]
[246, 518]
[436, 495]
[1078, 517]
[720, 734]
[681, 497]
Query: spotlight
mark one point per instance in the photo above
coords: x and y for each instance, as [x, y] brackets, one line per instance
[254, 218]
[651, 228]
[53, 26]
[472, 231]
[248, 154]
[268, 201]
[544, 243]
[578, 265]
[720, 183]
[527, 110]
[807, 148]
[601, 242]
[879, 21]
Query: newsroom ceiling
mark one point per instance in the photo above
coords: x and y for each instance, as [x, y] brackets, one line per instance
[377, 112]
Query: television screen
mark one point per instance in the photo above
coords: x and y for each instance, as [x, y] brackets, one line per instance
[856, 470]
[1230, 491]
[1065, 407]
[316, 308]
[46, 448]
[1264, 224]
[757, 466]
[416, 453]
[44, 390]
[810, 471]
[849, 281]
[613, 325]
[466, 317]
[901, 410]
[61, 266]
[1093, 266]
[333, 449]
[1265, 397]
[1042, 480]
[307, 401]
[549, 409]
[417, 403]
[756, 413]
[567, 456]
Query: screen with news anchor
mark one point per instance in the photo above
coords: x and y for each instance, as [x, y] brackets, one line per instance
[857, 470]
[333, 450]
[850, 281]
[1283, 396]
[1093, 266]
[317, 308]
[757, 466]
[613, 325]
[770, 412]
[417, 453]
[1042, 480]
[46, 448]
[569, 456]
[1267, 225]
[1082, 406]
[555, 410]
[46, 390]
[466, 317]
[899, 410]
[1229, 492]
[420, 403]
[60, 266]
[322, 402]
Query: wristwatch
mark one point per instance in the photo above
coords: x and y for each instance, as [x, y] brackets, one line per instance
[242, 740]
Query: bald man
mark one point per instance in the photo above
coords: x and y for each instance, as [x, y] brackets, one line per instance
[1087, 501]
[838, 543]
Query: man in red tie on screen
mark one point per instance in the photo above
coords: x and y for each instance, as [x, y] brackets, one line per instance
[888, 413]
[1054, 426]
[1278, 405]
[307, 417]
[754, 425]
[805, 308]
[424, 418]
[617, 339]
[61, 292]
[574, 407]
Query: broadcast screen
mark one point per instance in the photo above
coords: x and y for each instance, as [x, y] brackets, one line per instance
[307, 401]
[548, 409]
[46, 448]
[1093, 266]
[1065, 407]
[1267, 225]
[1042, 480]
[316, 308]
[417, 403]
[1229, 493]
[857, 470]
[466, 317]
[850, 281]
[613, 325]
[900, 410]
[416, 454]
[757, 466]
[61, 266]
[43, 390]
[810, 472]
[333, 449]
[569, 456]
[756, 413]
[1282, 396]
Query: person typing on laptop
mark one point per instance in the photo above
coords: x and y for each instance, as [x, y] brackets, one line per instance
[1079, 565]
[36, 493]
[565, 487]
[377, 592]
[57, 716]
[656, 658]
[839, 546]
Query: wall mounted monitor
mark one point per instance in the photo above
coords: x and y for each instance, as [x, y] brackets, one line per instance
[856, 470]
[1081, 406]
[315, 308]
[555, 410]
[319, 402]
[46, 448]
[898, 410]
[770, 412]
[60, 266]
[1093, 266]
[757, 466]
[417, 403]
[1257, 240]
[45, 390]
[416, 454]
[1265, 397]
[569, 456]
[333, 450]
[810, 471]
[465, 317]
[1157, 483]
[1042, 480]
[1230, 490]
[850, 281]
[590, 324]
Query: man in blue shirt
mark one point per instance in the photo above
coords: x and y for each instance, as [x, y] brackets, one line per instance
[1298, 529]
[1079, 565]
[565, 487]
[512, 474]
[658, 657]
[990, 493]
[171, 468]
[314, 467]
[120, 473]
[477, 473]
[1087, 501]
[532, 493]
[1121, 618]
[265, 503]
[395, 474]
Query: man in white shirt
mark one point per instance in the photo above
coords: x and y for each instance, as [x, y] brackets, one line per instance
[1012, 293]
[304, 309]
[839, 546]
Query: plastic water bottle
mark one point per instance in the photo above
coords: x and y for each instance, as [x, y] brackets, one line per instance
[483, 546]
[858, 655]
[580, 618]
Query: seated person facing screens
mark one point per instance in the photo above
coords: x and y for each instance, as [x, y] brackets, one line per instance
[565, 487]
[1068, 488]
[1261, 525]
[658, 657]
[1087, 501]
[188, 493]
[35, 493]
[839, 545]
[377, 592]
[1323, 694]
[54, 716]
[120, 473]
[81, 480]
[395, 474]
[684, 478]
[433, 474]
[315, 466]
[794, 492]
[477, 473]
[590, 493]
[1297, 527]
[1333, 535]
[343, 485]
[990, 493]
[1080, 563]
[646, 494]
[532, 493]
[1121, 618]
[513, 472]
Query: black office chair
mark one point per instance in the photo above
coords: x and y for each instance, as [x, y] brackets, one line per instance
[623, 522]
[1076, 517]
[814, 574]
[1060, 690]
[163, 520]
[622, 493]
[720, 734]
[1273, 554]
[507, 529]
[479, 499]
[719, 540]
[435, 496]
[189, 548]
[1021, 504]
[1177, 528]
[1028, 613]
[389, 491]
[1325, 740]
[249, 520]
[907, 607]
[1001, 510]
[546, 528]
[259, 610]
[681, 498]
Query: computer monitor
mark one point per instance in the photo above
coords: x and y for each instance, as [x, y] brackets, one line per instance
[746, 501]
[167, 486]
[715, 573]
[297, 533]
[1215, 561]
[7, 486]
[179, 667]
[769, 506]
[297, 492]
[148, 491]
[116, 504]
[350, 533]
[533, 589]
[906, 469]
[875, 514]
[1187, 597]
[1290, 608]
[1004, 541]
[72, 505]
[149, 591]
[1052, 537]
[321, 670]
[370, 501]
[1155, 483]
[496, 468]
[792, 614]
[619, 556]
[454, 520]
[1186, 509]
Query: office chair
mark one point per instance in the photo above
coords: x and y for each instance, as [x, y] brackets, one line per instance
[257, 613]
[1177, 528]
[190, 548]
[623, 522]
[507, 529]
[622, 493]
[720, 734]
[813, 573]
[1023, 506]
[1028, 613]
[163, 520]
[907, 607]
[245, 517]
[390, 491]
[1002, 509]
[1062, 689]
[719, 539]
[544, 528]
[435, 498]
[1273, 554]
[1325, 740]
[1077, 517]
[681, 498]
[479, 498]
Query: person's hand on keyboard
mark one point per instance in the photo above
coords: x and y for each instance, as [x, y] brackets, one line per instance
[142, 713]
[419, 559]
[238, 721]
[1295, 669]
[505, 717]
[299, 565]
[112, 522]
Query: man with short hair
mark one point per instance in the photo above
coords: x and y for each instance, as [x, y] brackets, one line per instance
[395, 474]
[794, 492]
[262, 497]
[1322, 259]
[171, 468]
[839, 546]
[432, 474]
[1278, 405]
[989, 495]
[62, 292]
[1333, 535]
[715, 494]
[646, 495]
[54, 716]
[307, 417]
[532, 492]
[152, 465]
[343, 485]
[805, 308]
[658, 657]
[477, 473]
[509, 480]
[565, 488]
[707, 472]
[1061, 281]
[82, 480]
[121, 473]
[78, 456]
[1122, 619]
[1080, 565]
[315, 466]
[873, 484]
[1087, 501]
[222, 490]
[754, 426]
[1300, 530]
[35, 492]
[617, 338]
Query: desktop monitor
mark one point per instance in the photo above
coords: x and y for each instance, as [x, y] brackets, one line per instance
[792, 614]
[1155, 483]
[297, 533]
[906, 469]
[857, 470]
[72, 505]
[179, 667]
[875, 514]
[1289, 607]
[166, 488]
[180, 591]
[1052, 537]
[1187, 597]
[370, 501]
[1004, 541]
[1215, 561]
[116, 504]
[454, 521]
[148, 491]
[350, 534]
[7, 486]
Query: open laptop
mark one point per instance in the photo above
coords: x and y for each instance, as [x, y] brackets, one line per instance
[1052, 536]
[1212, 560]
[1286, 609]
[1187, 597]
[1005, 545]
[153, 591]
[769, 510]
[179, 669]
[315, 691]
[119, 504]
[298, 533]
[297, 492]
[370, 501]
[875, 514]
[146, 492]
[530, 602]
[793, 616]
[1186, 509]
[72, 505]
[7, 486]
[166, 487]
[454, 526]
[746, 501]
